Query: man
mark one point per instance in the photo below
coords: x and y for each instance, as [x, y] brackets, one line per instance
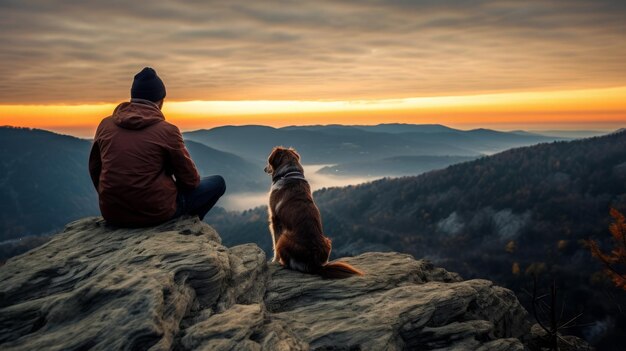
[140, 166]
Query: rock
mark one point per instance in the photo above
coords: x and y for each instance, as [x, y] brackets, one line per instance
[539, 340]
[95, 286]
[175, 286]
[400, 303]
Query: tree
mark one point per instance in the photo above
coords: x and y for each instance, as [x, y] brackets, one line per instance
[615, 261]
[545, 314]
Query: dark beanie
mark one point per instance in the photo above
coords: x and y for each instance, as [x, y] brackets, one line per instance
[148, 86]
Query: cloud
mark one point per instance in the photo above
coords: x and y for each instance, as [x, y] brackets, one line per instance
[88, 51]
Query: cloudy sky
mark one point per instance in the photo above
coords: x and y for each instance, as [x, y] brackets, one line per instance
[85, 53]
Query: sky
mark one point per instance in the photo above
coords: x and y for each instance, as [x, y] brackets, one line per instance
[64, 65]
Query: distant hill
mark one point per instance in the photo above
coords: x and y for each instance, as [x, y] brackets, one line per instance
[573, 134]
[393, 128]
[332, 129]
[530, 207]
[396, 128]
[241, 175]
[317, 146]
[482, 141]
[338, 144]
[393, 166]
[45, 183]
[548, 182]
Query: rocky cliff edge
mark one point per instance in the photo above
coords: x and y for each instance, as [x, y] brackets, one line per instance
[175, 287]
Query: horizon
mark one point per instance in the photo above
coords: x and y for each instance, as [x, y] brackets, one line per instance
[544, 131]
[588, 109]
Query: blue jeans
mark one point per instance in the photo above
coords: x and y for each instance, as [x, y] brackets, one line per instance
[201, 199]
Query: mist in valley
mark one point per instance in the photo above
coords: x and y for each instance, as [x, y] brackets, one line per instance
[246, 200]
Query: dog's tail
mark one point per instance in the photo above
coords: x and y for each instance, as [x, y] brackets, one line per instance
[337, 270]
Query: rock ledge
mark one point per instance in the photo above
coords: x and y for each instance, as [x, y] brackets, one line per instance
[176, 287]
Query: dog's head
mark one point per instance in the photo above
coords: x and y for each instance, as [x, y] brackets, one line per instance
[281, 156]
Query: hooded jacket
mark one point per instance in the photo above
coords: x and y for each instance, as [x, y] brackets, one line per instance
[138, 163]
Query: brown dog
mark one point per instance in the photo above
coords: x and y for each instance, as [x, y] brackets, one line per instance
[295, 221]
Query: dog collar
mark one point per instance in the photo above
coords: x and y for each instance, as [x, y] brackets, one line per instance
[290, 175]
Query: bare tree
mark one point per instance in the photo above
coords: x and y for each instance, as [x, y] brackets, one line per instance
[545, 314]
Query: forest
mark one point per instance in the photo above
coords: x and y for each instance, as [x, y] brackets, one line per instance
[522, 212]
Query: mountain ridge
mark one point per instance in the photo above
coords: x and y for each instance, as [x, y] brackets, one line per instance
[330, 144]
[44, 179]
[529, 207]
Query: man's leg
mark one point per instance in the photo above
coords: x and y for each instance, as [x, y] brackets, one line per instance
[200, 200]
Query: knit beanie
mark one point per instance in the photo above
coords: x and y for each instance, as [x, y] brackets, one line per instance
[148, 86]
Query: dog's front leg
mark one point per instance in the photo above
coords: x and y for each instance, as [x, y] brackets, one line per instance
[276, 230]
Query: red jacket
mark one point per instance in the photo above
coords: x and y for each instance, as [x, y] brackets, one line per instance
[134, 156]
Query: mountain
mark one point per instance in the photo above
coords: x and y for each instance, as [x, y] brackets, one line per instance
[317, 147]
[329, 144]
[241, 175]
[392, 128]
[397, 128]
[175, 287]
[332, 129]
[619, 130]
[339, 144]
[482, 141]
[506, 217]
[523, 132]
[44, 179]
[45, 182]
[573, 134]
[393, 166]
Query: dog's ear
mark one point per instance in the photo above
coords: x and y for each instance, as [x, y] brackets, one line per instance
[295, 153]
[272, 159]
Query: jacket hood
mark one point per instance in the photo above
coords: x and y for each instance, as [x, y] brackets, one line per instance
[136, 115]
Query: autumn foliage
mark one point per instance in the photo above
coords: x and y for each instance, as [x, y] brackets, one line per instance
[615, 261]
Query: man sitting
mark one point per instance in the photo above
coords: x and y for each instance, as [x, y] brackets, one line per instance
[140, 166]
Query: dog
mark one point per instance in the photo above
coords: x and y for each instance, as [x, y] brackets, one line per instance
[295, 220]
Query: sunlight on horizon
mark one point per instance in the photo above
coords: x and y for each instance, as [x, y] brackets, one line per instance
[593, 108]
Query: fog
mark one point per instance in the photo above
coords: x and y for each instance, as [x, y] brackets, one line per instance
[244, 201]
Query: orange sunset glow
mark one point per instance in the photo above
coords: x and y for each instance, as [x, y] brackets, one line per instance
[598, 108]
[505, 65]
